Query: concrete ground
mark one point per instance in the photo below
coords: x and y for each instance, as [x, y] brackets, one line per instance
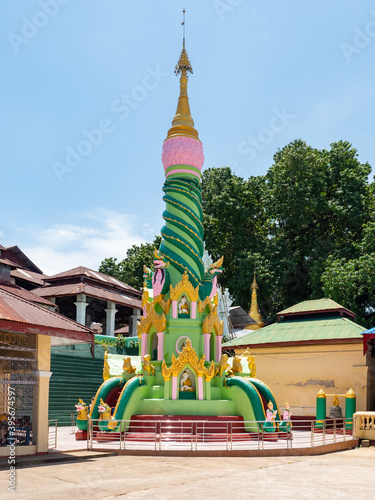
[345, 475]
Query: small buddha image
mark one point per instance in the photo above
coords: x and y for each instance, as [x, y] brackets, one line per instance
[335, 411]
[185, 384]
[183, 305]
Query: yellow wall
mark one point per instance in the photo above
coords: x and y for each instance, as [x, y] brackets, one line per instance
[296, 374]
[44, 365]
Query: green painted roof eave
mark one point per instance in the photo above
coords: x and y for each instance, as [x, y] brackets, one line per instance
[301, 330]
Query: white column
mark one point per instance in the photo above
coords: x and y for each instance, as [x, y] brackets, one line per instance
[81, 305]
[111, 312]
[136, 316]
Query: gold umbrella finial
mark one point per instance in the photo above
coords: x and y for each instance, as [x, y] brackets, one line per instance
[183, 124]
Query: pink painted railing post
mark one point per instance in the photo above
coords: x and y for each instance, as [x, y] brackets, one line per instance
[144, 337]
[174, 387]
[218, 347]
[200, 388]
[206, 337]
[174, 309]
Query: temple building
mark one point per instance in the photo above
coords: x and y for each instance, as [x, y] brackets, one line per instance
[28, 330]
[91, 297]
[314, 345]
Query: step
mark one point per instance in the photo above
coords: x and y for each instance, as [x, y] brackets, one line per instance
[186, 423]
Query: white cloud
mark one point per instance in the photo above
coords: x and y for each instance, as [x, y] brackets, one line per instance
[94, 236]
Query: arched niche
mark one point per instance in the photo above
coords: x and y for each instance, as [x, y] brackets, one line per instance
[187, 383]
[184, 306]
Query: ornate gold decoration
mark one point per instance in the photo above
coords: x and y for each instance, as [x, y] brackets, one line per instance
[212, 321]
[336, 401]
[106, 414]
[152, 319]
[254, 312]
[321, 394]
[223, 365]
[164, 304]
[252, 366]
[127, 366]
[185, 286]
[82, 414]
[190, 357]
[250, 362]
[183, 123]
[218, 263]
[106, 374]
[147, 366]
[203, 304]
[237, 365]
[145, 294]
[350, 394]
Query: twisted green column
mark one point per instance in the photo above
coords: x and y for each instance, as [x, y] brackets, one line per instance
[182, 234]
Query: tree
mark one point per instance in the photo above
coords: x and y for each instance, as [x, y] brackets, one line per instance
[317, 208]
[130, 269]
[351, 282]
[234, 225]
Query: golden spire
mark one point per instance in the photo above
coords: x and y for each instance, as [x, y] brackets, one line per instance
[183, 124]
[254, 309]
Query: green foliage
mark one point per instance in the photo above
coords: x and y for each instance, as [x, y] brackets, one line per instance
[130, 269]
[311, 205]
[352, 281]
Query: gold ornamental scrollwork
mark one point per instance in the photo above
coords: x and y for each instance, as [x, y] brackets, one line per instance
[202, 304]
[152, 318]
[190, 357]
[185, 286]
[212, 321]
[164, 304]
[145, 295]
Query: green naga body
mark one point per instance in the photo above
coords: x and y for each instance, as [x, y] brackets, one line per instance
[182, 234]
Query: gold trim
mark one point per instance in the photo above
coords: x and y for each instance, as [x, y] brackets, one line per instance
[106, 374]
[212, 321]
[152, 318]
[350, 394]
[203, 304]
[187, 356]
[321, 394]
[164, 304]
[145, 294]
[185, 286]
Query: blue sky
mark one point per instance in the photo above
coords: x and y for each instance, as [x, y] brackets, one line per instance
[75, 71]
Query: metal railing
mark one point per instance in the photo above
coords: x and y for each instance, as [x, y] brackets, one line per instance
[215, 435]
[52, 434]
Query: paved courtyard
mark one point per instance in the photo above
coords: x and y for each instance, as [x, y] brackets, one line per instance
[348, 474]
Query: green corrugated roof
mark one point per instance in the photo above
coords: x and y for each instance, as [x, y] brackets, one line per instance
[300, 330]
[314, 305]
